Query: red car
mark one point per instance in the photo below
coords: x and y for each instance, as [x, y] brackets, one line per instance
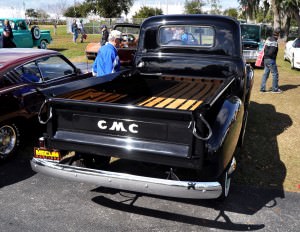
[23, 72]
[128, 46]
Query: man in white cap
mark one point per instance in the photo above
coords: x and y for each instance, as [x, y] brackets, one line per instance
[107, 60]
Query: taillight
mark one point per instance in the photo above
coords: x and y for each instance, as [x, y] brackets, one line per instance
[42, 142]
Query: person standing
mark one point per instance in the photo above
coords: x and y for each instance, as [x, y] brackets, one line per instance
[8, 35]
[270, 54]
[105, 35]
[74, 29]
[82, 31]
[107, 60]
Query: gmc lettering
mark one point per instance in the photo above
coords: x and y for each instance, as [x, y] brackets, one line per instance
[118, 126]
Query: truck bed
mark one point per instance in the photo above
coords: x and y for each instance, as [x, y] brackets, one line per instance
[182, 94]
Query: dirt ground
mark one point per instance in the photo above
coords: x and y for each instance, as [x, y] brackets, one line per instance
[271, 154]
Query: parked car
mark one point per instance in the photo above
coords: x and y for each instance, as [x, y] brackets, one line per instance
[253, 37]
[25, 37]
[292, 53]
[128, 45]
[23, 73]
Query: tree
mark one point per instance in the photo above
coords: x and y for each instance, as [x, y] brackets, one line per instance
[106, 9]
[31, 13]
[232, 12]
[292, 9]
[215, 7]
[193, 7]
[74, 12]
[58, 8]
[42, 14]
[250, 7]
[145, 12]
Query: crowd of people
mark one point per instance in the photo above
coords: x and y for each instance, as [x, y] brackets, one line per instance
[107, 59]
[78, 29]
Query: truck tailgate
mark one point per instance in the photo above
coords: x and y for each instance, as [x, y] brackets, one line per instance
[120, 129]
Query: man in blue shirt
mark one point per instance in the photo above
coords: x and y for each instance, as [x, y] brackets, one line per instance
[107, 60]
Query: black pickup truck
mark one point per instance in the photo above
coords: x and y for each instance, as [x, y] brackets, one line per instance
[170, 126]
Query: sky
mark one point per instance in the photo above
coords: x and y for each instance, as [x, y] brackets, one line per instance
[13, 8]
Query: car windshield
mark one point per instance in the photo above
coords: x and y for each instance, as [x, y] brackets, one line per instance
[128, 29]
[250, 32]
[297, 43]
[186, 35]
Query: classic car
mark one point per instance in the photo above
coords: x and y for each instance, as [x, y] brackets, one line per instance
[253, 36]
[23, 73]
[171, 125]
[128, 45]
[25, 37]
[292, 53]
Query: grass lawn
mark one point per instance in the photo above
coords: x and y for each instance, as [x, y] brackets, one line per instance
[271, 154]
[63, 43]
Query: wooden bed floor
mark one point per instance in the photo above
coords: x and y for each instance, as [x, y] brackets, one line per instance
[187, 94]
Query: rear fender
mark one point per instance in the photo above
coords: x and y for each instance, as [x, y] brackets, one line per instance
[225, 133]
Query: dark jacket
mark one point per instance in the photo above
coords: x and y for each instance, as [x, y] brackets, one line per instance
[8, 40]
[104, 38]
[271, 48]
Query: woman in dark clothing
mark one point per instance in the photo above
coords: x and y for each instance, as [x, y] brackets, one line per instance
[8, 35]
[105, 35]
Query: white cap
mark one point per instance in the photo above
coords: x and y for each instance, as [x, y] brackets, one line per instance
[115, 34]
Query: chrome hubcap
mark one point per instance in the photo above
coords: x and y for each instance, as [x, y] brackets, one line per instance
[8, 139]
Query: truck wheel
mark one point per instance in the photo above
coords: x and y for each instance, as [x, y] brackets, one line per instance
[43, 44]
[225, 181]
[9, 139]
[36, 32]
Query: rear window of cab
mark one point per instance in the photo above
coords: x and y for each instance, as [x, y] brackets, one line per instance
[186, 35]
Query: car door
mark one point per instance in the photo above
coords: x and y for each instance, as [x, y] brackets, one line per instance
[56, 70]
[39, 74]
[22, 36]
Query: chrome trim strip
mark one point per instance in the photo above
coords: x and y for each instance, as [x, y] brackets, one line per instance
[123, 181]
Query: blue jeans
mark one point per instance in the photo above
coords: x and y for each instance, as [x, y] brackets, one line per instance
[75, 36]
[270, 65]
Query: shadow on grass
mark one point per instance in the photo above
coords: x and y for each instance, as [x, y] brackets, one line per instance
[288, 87]
[59, 49]
[260, 163]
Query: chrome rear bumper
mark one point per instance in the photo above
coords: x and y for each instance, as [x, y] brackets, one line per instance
[123, 181]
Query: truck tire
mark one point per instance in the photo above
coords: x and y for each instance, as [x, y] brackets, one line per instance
[36, 32]
[43, 44]
[9, 139]
[225, 181]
